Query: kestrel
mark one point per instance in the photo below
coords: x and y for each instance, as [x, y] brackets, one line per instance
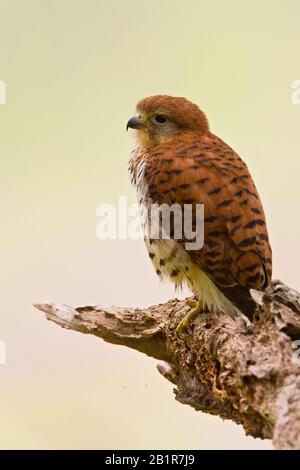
[179, 161]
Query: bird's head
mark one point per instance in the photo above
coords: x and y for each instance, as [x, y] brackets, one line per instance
[159, 118]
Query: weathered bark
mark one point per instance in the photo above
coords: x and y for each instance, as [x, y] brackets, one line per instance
[249, 374]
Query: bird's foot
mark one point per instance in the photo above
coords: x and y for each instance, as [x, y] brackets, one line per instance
[186, 321]
[191, 302]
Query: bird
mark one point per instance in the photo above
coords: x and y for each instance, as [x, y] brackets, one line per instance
[178, 160]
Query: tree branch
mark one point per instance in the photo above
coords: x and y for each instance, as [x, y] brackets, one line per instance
[249, 374]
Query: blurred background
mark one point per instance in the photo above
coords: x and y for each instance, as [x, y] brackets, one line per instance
[74, 70]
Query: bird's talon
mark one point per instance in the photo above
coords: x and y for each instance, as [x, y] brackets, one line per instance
[186, 321]
[181, 327]
[191, 303]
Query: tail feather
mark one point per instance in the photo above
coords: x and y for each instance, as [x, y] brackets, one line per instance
[240, 297]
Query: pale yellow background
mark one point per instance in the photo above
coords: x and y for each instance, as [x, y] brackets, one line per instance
[74, 70]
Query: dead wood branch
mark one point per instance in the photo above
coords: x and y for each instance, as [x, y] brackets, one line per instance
[249, 374]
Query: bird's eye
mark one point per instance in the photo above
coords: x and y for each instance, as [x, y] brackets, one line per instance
[160, 119]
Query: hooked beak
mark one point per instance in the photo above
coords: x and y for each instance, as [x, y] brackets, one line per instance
[134, 123]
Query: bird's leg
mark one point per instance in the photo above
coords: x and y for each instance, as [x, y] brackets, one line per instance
[185, 322]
